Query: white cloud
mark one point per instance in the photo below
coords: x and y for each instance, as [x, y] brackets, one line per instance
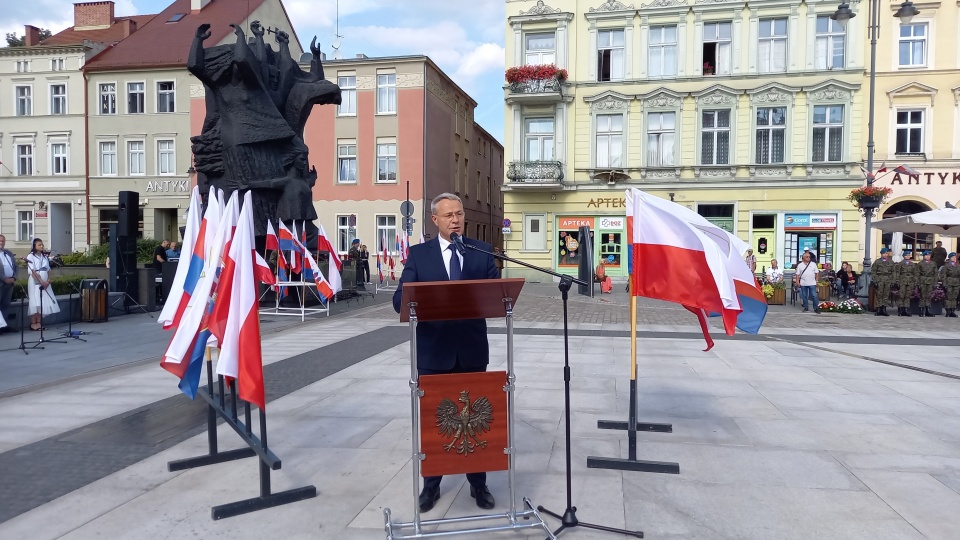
[486, 57]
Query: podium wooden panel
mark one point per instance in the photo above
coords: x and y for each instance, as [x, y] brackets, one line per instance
[463, 299]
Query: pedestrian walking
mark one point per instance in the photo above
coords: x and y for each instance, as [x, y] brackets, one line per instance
[806, 279]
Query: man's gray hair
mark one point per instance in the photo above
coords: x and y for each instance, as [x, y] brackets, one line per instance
[443, 196]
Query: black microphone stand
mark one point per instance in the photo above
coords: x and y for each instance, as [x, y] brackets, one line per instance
[569, 518]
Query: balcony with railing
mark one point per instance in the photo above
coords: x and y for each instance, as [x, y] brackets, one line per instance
[535, 174]
[535, 84]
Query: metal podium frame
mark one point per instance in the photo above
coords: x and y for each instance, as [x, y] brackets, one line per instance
[300, 289]
[531, 517]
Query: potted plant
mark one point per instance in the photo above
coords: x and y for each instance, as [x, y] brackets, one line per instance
[708, 68]
[823, 289]
[536, 78]
[869, 197]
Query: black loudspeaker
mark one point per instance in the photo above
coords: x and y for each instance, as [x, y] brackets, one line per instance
[128, 214]
[585, 270]
[123, 264]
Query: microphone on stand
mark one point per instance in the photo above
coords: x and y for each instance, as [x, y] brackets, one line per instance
[458, 243]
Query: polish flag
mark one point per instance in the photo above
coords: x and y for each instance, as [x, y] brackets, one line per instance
[379, 268]
[190, 240]
[192, 334]
[678, 256]
[272, 241]
[908, 170]
[262, 269]
[240, 348]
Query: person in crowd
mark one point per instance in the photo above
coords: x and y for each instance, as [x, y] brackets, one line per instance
[449, 346]
[173, 252]
[606, 284]
[847, 280]
[365, 263]
[928, 279]
[8, 277]
[951, 282]
[40, 297]
[829, 274]
[884, 276]
[939, 254]
[774, 273]
[806, 279]
[354, 255]
[160, 256]
[751, 260]
[908, 278]
[813, 256]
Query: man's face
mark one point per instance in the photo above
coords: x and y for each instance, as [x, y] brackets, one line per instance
[3, 241]
[165, 244]
[773, 264]
[907, 256]
[449, 218]
[806, 258]
[926, 257]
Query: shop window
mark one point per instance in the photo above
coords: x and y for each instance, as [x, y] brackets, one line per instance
[611, 248]
[720, 215]
[567, 239]
[764, 221]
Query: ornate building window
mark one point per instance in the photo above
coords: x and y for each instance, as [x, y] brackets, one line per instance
[772, 109]
[772, 46]
[661, 117]
[717, 117]
[662, 52]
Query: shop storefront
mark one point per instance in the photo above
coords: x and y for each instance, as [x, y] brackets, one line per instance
[929, 190]
[809, 232]
[609, 243]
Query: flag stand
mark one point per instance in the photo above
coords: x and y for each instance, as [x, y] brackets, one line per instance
[219, 406]
[300, 288]
[631, 425]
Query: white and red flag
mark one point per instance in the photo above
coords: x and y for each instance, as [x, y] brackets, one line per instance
[237, 324]
[288, 242]
[272, 241]
[180, 287]
[908, 170]
[680, 257]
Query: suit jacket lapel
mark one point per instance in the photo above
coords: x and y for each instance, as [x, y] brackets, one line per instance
[435, 257]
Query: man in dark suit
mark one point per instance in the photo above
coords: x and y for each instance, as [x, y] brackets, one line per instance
[449, 346]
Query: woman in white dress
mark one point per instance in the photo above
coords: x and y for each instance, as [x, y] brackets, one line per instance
[42, 302]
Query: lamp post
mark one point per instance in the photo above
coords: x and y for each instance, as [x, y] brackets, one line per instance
[843, 14]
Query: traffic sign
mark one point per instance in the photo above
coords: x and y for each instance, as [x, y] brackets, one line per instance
[406, 209]
[506, 222]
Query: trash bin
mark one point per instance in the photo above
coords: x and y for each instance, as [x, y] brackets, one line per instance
[93, 293]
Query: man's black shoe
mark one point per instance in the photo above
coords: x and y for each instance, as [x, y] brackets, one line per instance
[428, 497]
[482, 495]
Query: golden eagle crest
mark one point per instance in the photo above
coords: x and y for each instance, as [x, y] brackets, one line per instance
[464, 425]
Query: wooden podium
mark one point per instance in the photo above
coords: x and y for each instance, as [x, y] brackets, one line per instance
[458, 300]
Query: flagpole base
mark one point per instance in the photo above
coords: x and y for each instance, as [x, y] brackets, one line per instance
[262, 503]
[635, 465]
[210, 459]
[641, 426]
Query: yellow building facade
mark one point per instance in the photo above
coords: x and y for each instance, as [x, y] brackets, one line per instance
[751, 114]
[917, 113]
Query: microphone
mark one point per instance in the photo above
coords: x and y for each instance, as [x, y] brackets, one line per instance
[458, 243]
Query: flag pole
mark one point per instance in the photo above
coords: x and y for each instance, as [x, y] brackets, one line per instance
[632, 432]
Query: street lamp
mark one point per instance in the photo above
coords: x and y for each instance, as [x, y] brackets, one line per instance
[842, 16]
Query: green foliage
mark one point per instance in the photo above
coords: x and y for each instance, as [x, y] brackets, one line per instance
[20, 41]
[61, 285]
[98, 254]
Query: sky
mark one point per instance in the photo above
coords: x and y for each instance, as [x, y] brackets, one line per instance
[466, 43]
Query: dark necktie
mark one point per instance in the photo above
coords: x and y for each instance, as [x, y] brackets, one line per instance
[455, 271]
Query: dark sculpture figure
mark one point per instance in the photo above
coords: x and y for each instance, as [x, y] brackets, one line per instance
[258, 101]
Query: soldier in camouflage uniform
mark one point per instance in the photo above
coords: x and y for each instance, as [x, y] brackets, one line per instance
[883, 277]
[928, 279]
[908, 277]
[951, 282]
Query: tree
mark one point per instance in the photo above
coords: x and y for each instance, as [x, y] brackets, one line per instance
[14, 41]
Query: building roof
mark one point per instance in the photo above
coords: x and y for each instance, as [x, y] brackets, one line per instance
[113, 34]
[165, 43]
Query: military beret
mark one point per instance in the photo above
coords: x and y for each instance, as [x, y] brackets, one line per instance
[884, 250]
[952, 254]
[907, 252]
[927, 252]
[356, 241]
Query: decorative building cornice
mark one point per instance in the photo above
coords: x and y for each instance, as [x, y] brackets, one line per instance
[664, 3]
[662, 99]
[717, 95]
[613, 5]
[608, 101]
[540, 9]
[773, 93]
[832, 90]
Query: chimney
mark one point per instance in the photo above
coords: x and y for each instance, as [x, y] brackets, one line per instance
[93, 15]
[31, 35]
[197, 5]
[129, 27]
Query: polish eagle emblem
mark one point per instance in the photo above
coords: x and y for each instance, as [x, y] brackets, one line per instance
[466, 425]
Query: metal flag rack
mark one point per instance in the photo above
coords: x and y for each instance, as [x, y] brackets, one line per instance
[513, 519]
[300, 288]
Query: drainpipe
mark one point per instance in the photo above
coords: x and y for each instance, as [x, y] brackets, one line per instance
[86, 146]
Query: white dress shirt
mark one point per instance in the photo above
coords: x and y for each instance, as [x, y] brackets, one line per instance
[447, 254]
[6, 259]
